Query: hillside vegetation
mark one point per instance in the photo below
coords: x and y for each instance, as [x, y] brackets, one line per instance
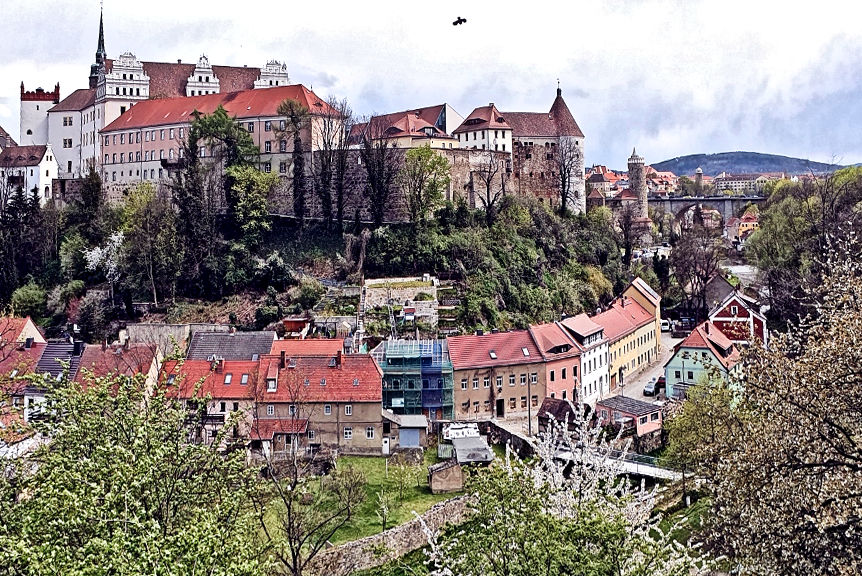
[741, 163]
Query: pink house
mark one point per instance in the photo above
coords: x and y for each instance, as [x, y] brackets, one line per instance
[630, 413]
[562, 356]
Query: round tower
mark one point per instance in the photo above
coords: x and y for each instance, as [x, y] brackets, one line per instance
[698, 180]
[637, 183]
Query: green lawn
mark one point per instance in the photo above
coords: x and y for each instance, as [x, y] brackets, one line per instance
[416, 498]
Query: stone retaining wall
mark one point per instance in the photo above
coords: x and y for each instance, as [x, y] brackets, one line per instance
[381, 548]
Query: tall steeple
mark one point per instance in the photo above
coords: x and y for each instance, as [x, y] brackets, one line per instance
[101, 55]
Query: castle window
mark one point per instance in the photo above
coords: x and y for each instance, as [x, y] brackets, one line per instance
[282, 146]
[251, 126]
[282, 167]
[267, 167]
[267, 126]
[267, 146]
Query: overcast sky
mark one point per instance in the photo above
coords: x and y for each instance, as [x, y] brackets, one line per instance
[669, 77]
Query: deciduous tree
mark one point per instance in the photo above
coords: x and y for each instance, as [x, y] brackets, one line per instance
[423, 178]
[382, 162]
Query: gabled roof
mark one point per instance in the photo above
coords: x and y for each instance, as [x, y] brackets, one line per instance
[553, 342]
[557, 122]
[309, 347]
[407, 122]
[18, 357]
[750, 304]
[473, 351]
[267, 428]
[628, 405]
[22, 156]
[137, 358]
[641, 286]
[624, 316]
[707, 336]
[581, 325]
[356, 378]
[230, 346]
[6, 140]
[199, 378]
[169, 79]
[484, 118]
[558, 409]
[262, 102]
[76, 101]
[54, 353]
[406, 420]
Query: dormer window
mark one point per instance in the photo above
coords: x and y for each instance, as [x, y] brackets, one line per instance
[307, 382]
[323, 381]
[171, 379]
[332, 362]
[291, 363]
[227, 379]
[271, 384]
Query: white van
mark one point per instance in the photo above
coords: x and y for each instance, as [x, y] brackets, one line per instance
[665, 325]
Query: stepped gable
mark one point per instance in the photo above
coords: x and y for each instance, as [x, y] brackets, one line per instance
[76, 101]
[22, 156]
[230, 346]
[168, 79]
[54, 353]
[247, 104]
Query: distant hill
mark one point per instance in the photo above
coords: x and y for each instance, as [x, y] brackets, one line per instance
[741, 163]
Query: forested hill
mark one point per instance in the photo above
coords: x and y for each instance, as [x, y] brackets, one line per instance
[741, 163]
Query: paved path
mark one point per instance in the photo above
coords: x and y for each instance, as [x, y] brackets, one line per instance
[634, 384]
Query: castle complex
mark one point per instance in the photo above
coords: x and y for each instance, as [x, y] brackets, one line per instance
[129, 124]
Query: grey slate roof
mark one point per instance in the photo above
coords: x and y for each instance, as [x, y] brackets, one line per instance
[628, 405]
[230, 346]
[472, 450]
[54, 352]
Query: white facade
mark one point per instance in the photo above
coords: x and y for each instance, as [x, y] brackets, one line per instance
[499, 139]
[595, 374]
[273, 74]
[39, 174]
[203, 80]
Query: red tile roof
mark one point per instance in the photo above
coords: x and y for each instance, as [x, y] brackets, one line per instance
[553, 342]
[308, 347]
[473, 351]
[557, 122]
[76, 101]
[187, 375]
[136, 359]
[19, 358]
[581, 325]
[267, 428]
[641, 286]
[22, 156]
[356, 379]
[707, 336]
[483, 118]
[623, 317]
[262, 102]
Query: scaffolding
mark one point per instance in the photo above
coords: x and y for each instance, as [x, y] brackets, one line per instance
[417, 377]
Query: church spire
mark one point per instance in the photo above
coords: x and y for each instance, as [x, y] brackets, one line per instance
[100, 50]
[101, 55]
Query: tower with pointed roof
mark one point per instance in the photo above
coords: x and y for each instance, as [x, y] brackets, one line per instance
[101, 55]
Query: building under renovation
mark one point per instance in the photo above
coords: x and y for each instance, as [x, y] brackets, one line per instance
[417, 377]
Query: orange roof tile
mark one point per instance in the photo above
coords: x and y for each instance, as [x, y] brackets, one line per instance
[707, 336]
[136, 359]
[483, 118]
[262, 102]
[308, 347]
[553, 342]
[623, 317]
[473, 351]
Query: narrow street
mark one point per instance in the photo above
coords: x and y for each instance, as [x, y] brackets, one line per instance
[634, 385]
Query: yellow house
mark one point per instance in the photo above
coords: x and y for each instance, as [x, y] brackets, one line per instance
[632, 325]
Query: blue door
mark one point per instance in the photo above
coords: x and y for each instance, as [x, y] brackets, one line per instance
[409, 437]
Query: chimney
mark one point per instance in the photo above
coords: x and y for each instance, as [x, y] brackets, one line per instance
[179, 61]
[77, 348]
[338, 358]
[706, 327]
[219, 362]
[281, 363]
[104, 345]
[479, 332]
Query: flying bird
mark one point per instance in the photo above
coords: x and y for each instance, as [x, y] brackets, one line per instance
[459, 21]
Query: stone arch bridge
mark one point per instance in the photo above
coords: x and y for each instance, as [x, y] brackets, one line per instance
[727, 206]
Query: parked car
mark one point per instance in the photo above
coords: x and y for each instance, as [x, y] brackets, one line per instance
[665, 325]
[649, 388]
[660, 384]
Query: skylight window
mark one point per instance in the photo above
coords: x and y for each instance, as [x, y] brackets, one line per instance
[525, 351]
[244, 379]
[493, 355]
[227, 379]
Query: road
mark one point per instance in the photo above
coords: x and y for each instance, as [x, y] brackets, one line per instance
[634, 384]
